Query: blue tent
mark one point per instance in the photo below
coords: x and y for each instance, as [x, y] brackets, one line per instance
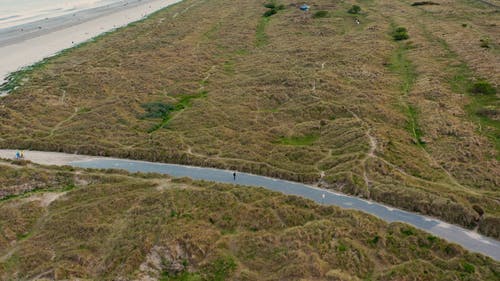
[304, 7]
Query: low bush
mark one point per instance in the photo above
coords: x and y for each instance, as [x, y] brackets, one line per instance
[273, 9]
[400, 33]
[483, 87]
[156, 109]
[321, 14]
[269, 13]
[485, 43]
[478, 209]
[469, 268]
[355, 9]
[489, 112]
[270, 5]
[422, 3]
[408, 231]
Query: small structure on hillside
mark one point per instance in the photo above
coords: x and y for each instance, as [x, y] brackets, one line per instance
[304, 7]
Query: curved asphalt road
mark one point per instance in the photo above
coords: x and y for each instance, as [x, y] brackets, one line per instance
[466, 238]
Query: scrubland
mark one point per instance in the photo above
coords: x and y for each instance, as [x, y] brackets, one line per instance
[317, 99]
[62, 223]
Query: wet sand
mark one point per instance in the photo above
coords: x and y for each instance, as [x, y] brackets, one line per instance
[27, 44]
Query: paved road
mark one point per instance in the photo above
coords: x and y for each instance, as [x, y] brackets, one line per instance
[466, 238]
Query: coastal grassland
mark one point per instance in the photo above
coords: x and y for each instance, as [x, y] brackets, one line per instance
[318, 100]
[115, 225]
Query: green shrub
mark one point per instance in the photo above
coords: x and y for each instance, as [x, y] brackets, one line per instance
[400, 33]
[273, 9]
[375, 240]
[432, 238]
[355, 9]
[401, 29]
[157, 109]
[270, 5]
[408, 231]
[269, 13]
[485, 43]
[400, 36]
[483, 87]
[341, 247]
[424, 3]
[222, 268]
[321, 14]
[469, 268]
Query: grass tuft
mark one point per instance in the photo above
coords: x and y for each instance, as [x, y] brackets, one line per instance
[321, 14]
[299, 140]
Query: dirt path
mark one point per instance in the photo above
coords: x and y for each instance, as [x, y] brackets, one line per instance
[372, 141]
[45, 158]
[58, 125]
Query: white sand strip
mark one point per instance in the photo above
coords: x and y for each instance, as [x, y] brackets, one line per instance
[25, 53]
[45, 158]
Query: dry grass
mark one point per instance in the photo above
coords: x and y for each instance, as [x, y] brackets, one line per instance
[119, 226]
[316, 100]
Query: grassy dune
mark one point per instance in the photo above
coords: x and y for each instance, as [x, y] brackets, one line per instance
[314, 99]
[69, 224]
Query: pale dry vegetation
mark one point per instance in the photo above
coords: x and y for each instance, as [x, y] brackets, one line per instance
[321, 100]
[118, 226]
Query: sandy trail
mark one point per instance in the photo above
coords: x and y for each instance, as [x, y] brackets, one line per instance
[45, 158]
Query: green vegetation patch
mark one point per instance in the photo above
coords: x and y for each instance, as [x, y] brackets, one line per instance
[413, 127]
[400, 33]
[484, 104]
[402, 66]
[164, 110]
[261, 38]
[483, 87]
[15, 79]
[424, 3]
[273, 9]
[183, 276]
[408, 231]
[157, 109]
[299, 140]
[405, 69]
[355, 9]
[321, 14]
[222, 268]
[469, 268]
[485, 43]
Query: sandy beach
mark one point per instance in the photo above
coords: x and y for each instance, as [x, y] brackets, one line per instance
[24, 45]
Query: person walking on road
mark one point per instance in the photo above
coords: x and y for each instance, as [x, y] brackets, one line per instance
[234, 175]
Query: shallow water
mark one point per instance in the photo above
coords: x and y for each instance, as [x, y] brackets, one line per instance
[466, 238]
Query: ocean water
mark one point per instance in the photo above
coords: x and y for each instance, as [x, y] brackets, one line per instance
[17, 12]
